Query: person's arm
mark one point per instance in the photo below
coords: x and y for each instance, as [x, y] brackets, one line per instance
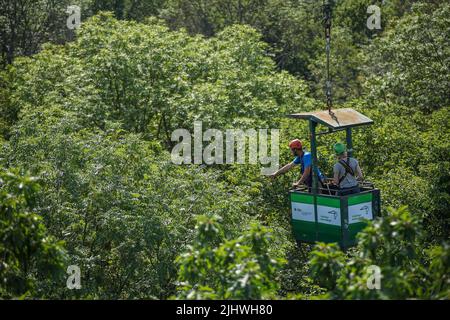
[359, 172]
[336, 179]
[335, 176]
[283, 170]
[305, 176]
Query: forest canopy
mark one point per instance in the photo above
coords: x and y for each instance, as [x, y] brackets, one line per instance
[86, 118]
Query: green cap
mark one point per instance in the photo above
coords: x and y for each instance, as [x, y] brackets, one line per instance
[339, 148]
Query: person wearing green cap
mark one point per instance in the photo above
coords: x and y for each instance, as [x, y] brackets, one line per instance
[346, 172]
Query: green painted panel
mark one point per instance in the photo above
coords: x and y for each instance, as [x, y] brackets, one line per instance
[302, 198]
[329, 233]
[354, 229]
[329, 202]
[367, 197]
[304, 230]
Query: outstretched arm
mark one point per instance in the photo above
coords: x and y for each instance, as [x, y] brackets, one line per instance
[283, 170]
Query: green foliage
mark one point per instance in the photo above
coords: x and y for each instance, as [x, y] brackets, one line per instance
[351, 15]
[25, 25]
[92, 119]
[326, 262]
[102, 195]
[393, 243]
[346, 61]
[127, 9]
[30, 257]
[103, 184]
[410, 64]
[153, 80]
[289, 27]
[218, 268]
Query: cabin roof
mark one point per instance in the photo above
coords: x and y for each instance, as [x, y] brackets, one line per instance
[346, 118]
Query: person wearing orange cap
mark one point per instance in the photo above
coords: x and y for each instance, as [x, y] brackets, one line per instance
[302, 158]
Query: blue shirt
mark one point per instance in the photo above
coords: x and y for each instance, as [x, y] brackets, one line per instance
[305, 161]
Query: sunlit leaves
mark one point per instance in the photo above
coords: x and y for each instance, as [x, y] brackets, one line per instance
[31, 258]
[394, 244]
[241, 268]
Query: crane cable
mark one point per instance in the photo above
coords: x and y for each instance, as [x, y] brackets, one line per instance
[328, 88]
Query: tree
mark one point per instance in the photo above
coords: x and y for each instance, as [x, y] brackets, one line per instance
[31, 259]
[26, 24]
[392, 243]
[410, 64]
[93, 120]
[127, 9]
[345, 63]
[289, 27]
[154, 80]
[217, 268]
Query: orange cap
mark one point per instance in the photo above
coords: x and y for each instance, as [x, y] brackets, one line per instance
[295, 144]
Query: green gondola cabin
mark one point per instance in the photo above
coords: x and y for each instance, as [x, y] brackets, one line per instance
[322, 214]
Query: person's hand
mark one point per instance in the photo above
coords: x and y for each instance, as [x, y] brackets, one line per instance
[273, 176]
[296, 184]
